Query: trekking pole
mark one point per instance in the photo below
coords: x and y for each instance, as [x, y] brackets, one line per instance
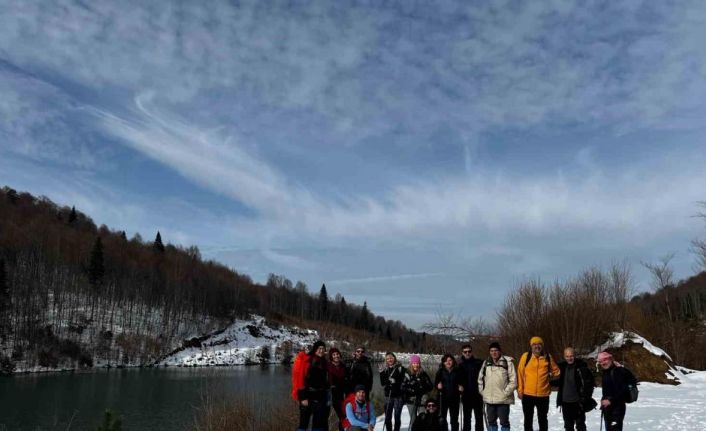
[602, 419]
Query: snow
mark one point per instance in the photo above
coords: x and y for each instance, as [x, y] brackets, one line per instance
[660, 407]
[244, 342]
[618, 339]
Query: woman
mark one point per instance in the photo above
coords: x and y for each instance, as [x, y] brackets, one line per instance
[415, 385]
[391, 376]
[448, 382]
[337, 380]
[311, 387]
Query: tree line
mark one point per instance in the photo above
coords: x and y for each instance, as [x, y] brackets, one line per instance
[70, 288]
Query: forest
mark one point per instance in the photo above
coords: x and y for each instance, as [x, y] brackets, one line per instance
[74, 291]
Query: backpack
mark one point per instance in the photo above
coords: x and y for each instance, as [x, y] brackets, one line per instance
[350, 399]
[299, 370]
[632, 391]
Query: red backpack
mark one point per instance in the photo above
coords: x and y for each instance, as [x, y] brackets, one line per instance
[350, 399]
[299, 370]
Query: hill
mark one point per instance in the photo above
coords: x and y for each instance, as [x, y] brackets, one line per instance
[73, 294]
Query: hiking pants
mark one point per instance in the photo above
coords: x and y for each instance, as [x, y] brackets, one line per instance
[393, 405]
[317, 411]
[528, 404]
[451, 406]
[472, 404]
[613, 416]
[573, 416]
[412, 409]
[498, 411]
[336, 403]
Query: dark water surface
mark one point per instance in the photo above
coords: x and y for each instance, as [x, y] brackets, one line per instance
[148, 399]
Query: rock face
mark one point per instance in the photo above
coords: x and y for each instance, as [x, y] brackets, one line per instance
[647, 362]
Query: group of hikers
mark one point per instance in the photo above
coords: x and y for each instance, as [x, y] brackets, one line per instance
[476, 388]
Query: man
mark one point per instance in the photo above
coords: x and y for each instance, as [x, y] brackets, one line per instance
[428, 421]
[496, 383]
[575, 390]
[471, 398]
[360, 414]
[535, 370]
[616, 392]
[360, 371]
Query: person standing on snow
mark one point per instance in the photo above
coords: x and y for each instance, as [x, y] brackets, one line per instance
[449, 382]
[496, 383]
[575, 391]
[360, 372]
[616, 391]
[391, 377]
[310, 387]
[534, 372]
[415, 385]
[471, 398]
[337, 378]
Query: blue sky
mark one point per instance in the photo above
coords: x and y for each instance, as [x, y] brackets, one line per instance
[423, 156]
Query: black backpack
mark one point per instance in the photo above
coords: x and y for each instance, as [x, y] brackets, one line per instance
[632, 391]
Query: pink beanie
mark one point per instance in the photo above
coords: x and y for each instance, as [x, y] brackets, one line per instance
[604, 355]
[415, 359]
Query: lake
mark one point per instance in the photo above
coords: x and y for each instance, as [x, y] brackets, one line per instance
[148, 399]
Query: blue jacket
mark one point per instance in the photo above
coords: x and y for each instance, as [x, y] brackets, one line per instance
[360, 417]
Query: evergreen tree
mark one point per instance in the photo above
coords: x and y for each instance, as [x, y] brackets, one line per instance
[158, 245]
[96, 266]
[123, 236]
[73, 216]
[365, 317]
[323, 303]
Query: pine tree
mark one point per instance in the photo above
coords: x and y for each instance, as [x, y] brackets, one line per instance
[365, 317]
[96, 266]
[323, 303]
[158, 245]
[73, 216]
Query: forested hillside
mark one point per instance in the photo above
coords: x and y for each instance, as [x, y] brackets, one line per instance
[71, 291]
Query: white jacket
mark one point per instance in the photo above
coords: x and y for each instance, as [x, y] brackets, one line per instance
[497, 381]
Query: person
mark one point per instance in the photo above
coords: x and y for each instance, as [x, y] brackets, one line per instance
[415, 385]
[575, 391]
[428, 420]
[616, 393]
[534, 372]
[391, 377]
[337, 379]
[360, 372]
[471, 398]
[360, 413]
[497, 381]
[310, 387]
[448, 381]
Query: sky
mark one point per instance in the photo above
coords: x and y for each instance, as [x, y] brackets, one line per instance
[423, 156]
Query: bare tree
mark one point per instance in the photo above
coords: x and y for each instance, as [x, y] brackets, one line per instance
[454, 328]
[662, 275]
[698, 245]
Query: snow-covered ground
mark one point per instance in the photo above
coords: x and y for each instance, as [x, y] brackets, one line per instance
[660, 407]
[245, 342]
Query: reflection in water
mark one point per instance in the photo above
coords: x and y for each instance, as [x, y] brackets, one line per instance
[147, 399]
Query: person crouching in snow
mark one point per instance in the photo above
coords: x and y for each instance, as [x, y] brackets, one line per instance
[429, 420]
[360, 414]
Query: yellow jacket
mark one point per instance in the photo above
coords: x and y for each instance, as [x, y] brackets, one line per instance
[533, 378]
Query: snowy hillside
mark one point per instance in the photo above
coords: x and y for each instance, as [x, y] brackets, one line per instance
[252, 341]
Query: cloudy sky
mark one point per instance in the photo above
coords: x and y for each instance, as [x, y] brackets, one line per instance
[423, 156]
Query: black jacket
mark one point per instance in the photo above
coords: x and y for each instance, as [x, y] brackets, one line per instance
[316, 381]
[360, 372]
[391, 380]
[450, 381]
[427, 422]
[615, 384]
[582, 377]
[469, 369]
[414, 386]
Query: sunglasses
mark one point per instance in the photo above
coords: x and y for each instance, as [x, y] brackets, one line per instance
[466, 351]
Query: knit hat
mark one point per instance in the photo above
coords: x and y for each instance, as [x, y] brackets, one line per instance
[359, 388]
[494, 345]
[331, 351]
[415, 359]
[536, 340]
[604, 355]
[316, 346]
